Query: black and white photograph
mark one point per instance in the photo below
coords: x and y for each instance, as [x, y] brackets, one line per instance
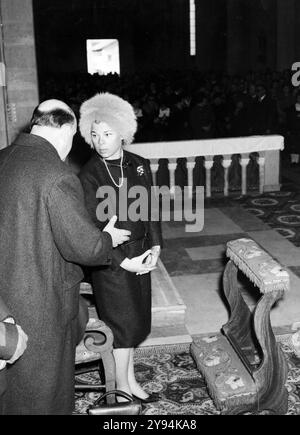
[149, 210]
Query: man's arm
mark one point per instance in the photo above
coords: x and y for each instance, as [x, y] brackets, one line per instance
[76, 236]
[90, 188]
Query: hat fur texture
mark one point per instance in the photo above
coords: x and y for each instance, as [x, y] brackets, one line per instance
[109, 108]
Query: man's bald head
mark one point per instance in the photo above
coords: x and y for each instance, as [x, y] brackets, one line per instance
[54, 121]
[48, 105]
[53, 113]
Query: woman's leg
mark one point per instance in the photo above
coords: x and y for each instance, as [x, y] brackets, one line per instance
[135, 387]
[122, 357]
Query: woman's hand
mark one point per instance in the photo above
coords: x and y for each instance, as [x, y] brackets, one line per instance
[151, 260]
[137, 265]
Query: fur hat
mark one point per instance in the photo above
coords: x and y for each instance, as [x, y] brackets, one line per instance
[113, 110]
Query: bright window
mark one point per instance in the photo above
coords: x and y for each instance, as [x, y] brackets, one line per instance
[103, 56]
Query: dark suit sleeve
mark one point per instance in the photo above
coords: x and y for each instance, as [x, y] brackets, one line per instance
[90, 188]
[118, 257]
[76, 236]
[153, 227]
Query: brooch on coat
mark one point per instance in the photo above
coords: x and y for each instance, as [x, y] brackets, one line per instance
[140, 170]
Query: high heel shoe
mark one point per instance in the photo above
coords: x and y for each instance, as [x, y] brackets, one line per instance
[153, 397]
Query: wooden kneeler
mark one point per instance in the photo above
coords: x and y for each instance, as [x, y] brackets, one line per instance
[244, 367]
[95, 352]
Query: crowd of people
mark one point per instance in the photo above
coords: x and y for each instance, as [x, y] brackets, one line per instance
[176, 105]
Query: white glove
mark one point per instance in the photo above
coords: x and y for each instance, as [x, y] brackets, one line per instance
[153, 257]
[118, 236]
[136, 264]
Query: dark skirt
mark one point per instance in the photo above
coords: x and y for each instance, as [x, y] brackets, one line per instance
[123, 299]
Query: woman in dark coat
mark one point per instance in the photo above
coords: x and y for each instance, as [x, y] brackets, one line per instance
[123, 290]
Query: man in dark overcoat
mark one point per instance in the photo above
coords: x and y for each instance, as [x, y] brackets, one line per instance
[45, 233]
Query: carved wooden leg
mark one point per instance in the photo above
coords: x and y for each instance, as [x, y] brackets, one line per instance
[271, 376]
[95, 343]
[238, 328]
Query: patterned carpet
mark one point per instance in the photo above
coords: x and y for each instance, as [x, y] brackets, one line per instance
[172, 372]
[280, 210]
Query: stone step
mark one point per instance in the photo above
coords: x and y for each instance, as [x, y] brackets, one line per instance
[164, 335]
[167, 306]
[168, 311]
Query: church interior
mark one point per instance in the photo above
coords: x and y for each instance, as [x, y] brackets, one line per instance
[172, 58]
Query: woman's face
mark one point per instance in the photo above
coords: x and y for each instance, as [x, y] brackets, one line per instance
[106, 141]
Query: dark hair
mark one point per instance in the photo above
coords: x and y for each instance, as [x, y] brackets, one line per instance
[52, 118]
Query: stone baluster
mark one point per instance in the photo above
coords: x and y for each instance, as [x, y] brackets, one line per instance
[244, 163]
[154, 168]
[226, 164]
[172, 165]
[261, 164]
[190, 164]
[208, 164]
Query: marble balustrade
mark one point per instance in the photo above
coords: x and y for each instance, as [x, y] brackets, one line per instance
[218, 164]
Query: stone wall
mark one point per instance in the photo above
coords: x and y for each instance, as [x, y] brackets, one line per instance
[21, 87]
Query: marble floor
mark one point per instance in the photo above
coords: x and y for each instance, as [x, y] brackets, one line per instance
[195, 263]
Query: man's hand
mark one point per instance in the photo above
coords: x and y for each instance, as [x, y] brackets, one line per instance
[21, 346]
[151, 260]
[136, 264]
[118, 236]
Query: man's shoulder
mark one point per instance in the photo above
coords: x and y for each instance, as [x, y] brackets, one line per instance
[52, 168]
[90, 166]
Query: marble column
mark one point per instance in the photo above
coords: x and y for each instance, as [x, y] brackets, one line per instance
[272, 171]
[21, 85]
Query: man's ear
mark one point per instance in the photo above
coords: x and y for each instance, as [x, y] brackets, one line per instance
[67, 129]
